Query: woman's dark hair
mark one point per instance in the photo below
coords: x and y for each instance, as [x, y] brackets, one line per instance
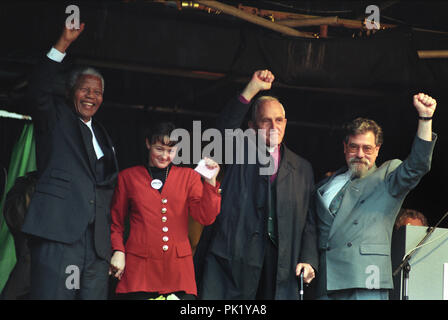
[161, 132]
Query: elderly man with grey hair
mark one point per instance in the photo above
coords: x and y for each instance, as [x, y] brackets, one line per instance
[69, 219]
[259, 240]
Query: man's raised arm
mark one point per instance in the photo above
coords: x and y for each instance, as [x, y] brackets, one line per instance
[425, 106]
[236, 109]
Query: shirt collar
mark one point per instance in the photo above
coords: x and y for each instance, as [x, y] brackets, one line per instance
[88, 123]
[272, 149]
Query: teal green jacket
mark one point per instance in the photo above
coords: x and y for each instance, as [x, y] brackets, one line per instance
[354, 247]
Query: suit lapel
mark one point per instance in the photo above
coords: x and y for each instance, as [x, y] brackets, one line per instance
[351, 198]
[108, 150]
[321, 209]
[86, 137]
[285, 167]
[322, 186]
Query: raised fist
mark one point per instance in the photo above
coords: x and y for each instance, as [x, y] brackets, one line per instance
[263, 79]
[67, 37]
[425, 105]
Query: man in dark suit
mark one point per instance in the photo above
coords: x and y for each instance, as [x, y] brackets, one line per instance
[69, 217]
[258, 239]
[355, 209]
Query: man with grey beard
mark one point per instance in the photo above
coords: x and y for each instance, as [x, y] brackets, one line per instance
[355, 209]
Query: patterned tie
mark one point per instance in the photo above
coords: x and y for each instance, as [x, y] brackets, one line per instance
[337, 200]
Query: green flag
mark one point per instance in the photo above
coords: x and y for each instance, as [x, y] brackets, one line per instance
[23, 160]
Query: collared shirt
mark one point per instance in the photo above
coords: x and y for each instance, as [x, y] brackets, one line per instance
[96, 146]
[334, 186]
[275, 153]
[56, 55]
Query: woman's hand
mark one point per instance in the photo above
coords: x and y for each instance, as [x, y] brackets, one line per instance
[117, 264]
[212, 165]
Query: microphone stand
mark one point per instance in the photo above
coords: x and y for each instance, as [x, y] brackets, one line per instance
[406, 267]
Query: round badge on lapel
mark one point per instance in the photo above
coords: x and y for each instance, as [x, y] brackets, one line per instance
[156, 184]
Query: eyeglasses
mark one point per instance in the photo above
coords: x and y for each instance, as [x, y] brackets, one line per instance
[367, 149]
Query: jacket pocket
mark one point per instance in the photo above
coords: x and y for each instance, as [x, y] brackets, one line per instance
[61, 175]
[137, 252]
[379, 249]
[52, 189]
[183, 249]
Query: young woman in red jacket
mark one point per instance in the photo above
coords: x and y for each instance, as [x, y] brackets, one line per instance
[158, 198]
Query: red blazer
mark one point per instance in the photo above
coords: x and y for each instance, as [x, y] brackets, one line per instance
[158, 252]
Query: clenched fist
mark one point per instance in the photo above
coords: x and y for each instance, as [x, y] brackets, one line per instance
[261, 80]
[67, 37]
[425, 105]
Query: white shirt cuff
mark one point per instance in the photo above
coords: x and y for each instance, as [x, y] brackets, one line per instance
[56, 55]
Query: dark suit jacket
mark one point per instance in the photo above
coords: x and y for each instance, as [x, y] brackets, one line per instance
[234, 258]
[68, 194]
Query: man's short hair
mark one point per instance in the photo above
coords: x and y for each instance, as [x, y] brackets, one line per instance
[409, 213]
[362, 126]
[259, 102]
[75, 75]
